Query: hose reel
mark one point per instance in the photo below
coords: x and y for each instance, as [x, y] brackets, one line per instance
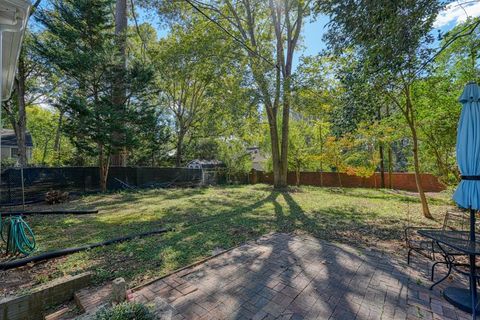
[17, 234]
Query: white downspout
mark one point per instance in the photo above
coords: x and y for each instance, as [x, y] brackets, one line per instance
[15, 27]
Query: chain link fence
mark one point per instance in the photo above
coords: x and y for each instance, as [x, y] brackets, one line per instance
[80, 180]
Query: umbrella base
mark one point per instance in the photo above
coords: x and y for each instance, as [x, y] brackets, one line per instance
[460, 298]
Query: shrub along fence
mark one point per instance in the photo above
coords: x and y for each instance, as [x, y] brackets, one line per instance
[38, 181]
[400, 180]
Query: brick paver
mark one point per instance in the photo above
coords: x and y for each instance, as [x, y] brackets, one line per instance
[284, 276]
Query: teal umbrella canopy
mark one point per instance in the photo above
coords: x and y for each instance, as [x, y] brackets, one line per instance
[467, 194]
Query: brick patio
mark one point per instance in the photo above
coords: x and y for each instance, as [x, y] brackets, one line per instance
[283, 276]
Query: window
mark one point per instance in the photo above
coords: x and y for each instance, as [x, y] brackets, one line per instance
[14, 153]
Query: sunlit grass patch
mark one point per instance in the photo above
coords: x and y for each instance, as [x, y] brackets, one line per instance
[218, 217]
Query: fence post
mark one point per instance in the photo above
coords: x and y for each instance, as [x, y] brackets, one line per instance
[23, 188]
[136, 176]
[9, 189]
[254, 175]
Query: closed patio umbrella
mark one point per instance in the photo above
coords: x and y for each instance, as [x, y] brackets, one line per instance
[467, 194]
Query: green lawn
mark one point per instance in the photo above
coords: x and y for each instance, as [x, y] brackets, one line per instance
[217, 217]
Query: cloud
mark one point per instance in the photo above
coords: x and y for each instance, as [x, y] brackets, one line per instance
[457, 12]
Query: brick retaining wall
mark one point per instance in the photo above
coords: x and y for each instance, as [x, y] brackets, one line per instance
[400, 180]
[32, 306]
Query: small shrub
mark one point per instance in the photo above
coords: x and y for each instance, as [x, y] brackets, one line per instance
[125, 311]
[8, 163]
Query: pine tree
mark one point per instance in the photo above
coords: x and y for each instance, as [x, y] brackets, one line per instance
[79, 44]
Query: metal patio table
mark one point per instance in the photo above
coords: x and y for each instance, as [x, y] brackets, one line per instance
[461, 241]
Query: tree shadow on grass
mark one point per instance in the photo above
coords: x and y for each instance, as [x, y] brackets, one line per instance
[383, 194]
[197, 235]
[169, 251]
[345, 224]
[198, 231]
[319, 272]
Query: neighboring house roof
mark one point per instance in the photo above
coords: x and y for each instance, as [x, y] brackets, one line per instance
[204, 164]
[10, 140]
[13, 22]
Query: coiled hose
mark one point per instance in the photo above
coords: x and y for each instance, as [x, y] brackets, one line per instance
[17, 234]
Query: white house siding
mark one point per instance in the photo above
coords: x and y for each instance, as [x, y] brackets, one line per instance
[7, 150]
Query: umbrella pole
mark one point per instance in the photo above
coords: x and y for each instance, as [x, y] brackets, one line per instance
[473, 286]
[473, 271]
[472, 225]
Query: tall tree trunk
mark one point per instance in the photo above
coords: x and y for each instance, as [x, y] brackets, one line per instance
[45, 150]
[286, 21]
[104, 165]
[382, 166]
[179, 149]
[389, 154]
[21, 121]
[382, 157]
[119, 85]
[390, 167]
[283, 183]
[273, 130]
[411, 123]
[287, 35]
[416, 164]
[56, 145]
[321, 154]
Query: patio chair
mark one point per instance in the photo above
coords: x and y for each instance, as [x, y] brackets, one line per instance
[455, 219]
[426, 247]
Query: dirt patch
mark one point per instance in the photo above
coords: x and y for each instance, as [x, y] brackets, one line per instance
[23, 279]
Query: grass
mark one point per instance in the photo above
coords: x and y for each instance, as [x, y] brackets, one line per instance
[218, 217]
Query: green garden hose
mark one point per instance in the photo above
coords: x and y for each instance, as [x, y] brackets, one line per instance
[17, 234]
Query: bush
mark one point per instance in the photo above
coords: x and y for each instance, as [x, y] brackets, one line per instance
[8, 163]
[125, 311]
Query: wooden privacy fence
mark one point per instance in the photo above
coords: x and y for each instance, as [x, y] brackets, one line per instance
[400, 180]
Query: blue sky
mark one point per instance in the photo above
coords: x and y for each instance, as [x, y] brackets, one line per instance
[454, 14]
[313, 31]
